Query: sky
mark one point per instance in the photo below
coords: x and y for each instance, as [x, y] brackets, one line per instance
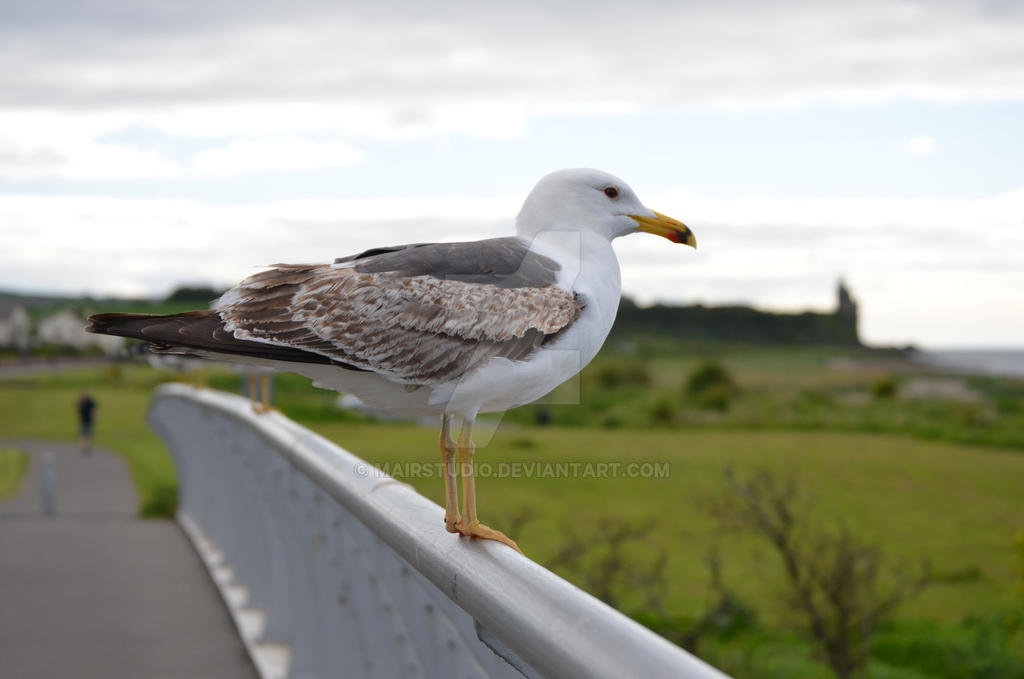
[148, 145]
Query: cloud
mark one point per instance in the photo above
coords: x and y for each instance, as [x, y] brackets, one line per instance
[83, 160]
[40, 144]
[74, 74]
[921, 145]
[276, 154]
[401, 58]
[914, 263]
[98, 244]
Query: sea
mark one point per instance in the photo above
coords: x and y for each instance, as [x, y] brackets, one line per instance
[992, 362]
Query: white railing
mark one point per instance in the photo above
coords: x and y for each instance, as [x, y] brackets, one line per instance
[331, 571]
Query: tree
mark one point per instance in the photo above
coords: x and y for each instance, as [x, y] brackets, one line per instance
[710, 387]
[620, 561]
[834, 579]
[194, 294]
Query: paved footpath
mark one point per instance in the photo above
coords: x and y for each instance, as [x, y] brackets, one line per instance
[96, 592]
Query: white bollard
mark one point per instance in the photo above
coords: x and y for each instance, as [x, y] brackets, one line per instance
[48, 481]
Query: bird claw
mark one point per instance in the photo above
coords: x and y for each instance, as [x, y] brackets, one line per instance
[479, 530]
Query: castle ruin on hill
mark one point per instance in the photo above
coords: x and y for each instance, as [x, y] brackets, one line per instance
[743, 325]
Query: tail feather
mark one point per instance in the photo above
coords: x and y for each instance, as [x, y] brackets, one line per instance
[196, 330]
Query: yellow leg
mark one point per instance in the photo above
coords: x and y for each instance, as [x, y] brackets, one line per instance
[201, 382]
[262, 405]
[469, 524]
[451, 491]
[252, 394]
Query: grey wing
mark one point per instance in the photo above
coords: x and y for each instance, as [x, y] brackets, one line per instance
[503, 262]
[416, 329]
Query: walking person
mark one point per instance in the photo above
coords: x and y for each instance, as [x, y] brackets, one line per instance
[86, 417]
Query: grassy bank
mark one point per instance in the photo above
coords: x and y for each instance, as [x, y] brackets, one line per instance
[13, 465]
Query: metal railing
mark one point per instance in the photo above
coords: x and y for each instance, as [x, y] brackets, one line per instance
[330, 570]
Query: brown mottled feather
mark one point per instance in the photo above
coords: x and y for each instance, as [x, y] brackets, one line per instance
[422, 314]
[417, 329]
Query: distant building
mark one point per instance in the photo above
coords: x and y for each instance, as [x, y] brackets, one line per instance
[846, 312]
[15, 327]
[741, 324]
[65, 328]
[845, 305]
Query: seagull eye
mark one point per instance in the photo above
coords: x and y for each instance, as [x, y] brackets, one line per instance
[611, 192]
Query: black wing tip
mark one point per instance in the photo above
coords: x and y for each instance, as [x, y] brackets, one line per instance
[193, 332]
[102, 324]
[111, 323]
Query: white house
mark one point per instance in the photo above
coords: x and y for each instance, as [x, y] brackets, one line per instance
[15, 327]
[66, 328]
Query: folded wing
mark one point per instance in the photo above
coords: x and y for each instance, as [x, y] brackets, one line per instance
[419, 329]
[419, 315]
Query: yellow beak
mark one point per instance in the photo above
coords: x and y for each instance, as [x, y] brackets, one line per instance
[666, 227]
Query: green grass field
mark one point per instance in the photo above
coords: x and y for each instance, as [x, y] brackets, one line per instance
[13, 464]
[44, 408]
[956, 505]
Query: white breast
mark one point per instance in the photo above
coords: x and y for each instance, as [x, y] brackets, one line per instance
[591, 270]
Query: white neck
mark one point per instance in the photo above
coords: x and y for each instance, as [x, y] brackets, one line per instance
[590, 269]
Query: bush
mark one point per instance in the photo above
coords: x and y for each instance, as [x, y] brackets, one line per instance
[663, 411]
[972, 415]
[1009, 404]
[707, 375]
[884, 387]
[162, 503]
[978, 648]
[833, 577]
[711, 387]
[623, 375]
[194, 294]
[716, 397]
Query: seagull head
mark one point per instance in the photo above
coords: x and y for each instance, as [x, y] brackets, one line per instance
[592, 200]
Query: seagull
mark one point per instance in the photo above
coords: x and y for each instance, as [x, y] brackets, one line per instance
[441, 329]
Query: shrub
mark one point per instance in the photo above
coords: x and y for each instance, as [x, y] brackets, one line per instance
[884, 387]
[978, 648]
[972, 415]
[711, 387]
[1008, 404]
[833, 577]
[162, 503]
[663, 411]
[611, 422]
[716, 397]
[623, 375]
[194, 294]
